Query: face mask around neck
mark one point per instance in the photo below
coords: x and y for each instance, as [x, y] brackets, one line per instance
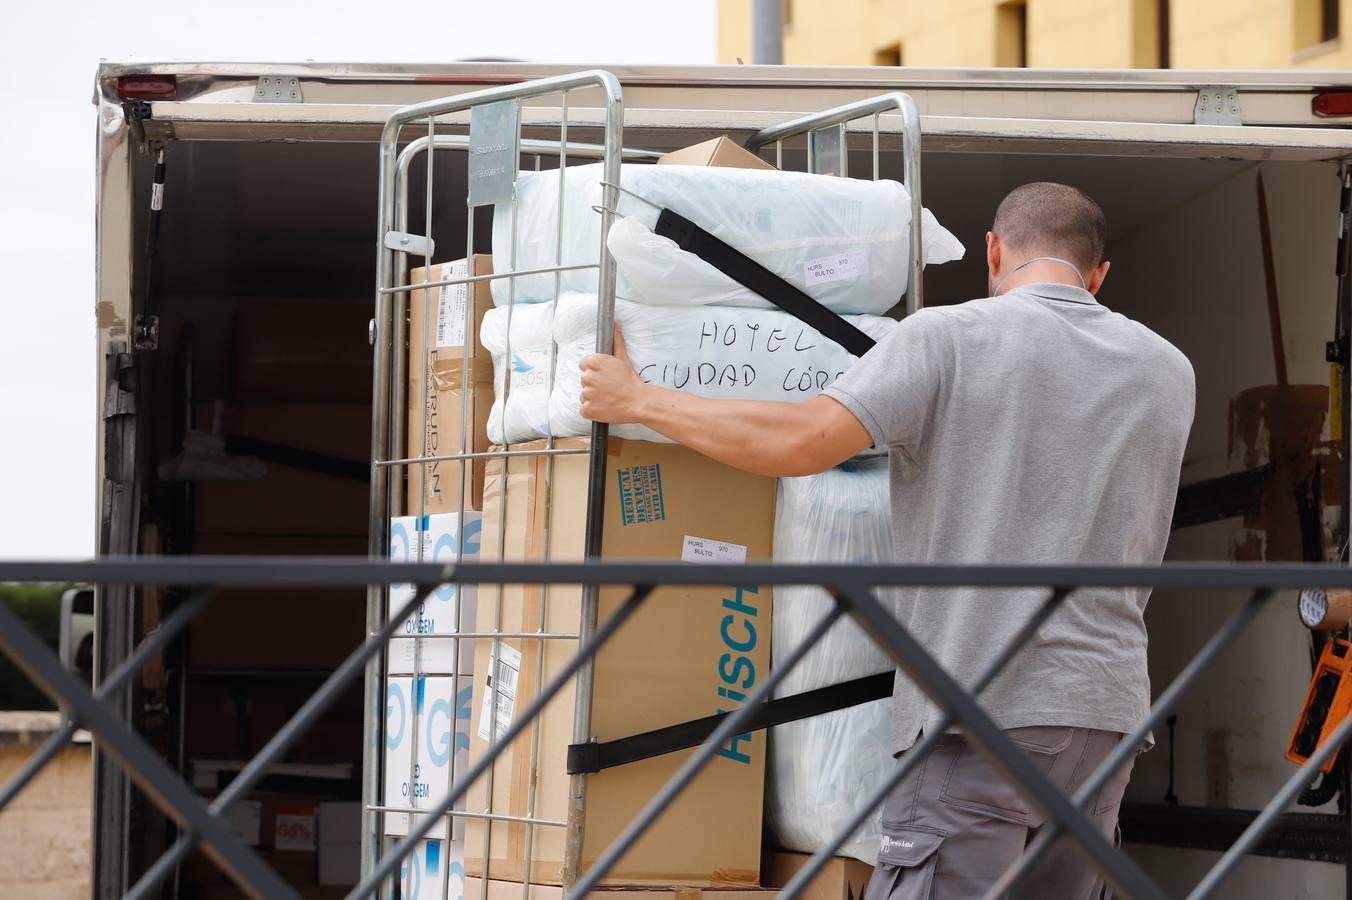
[1056, 259]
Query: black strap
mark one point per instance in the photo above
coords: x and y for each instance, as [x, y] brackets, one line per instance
[754, 277]
[593, 757]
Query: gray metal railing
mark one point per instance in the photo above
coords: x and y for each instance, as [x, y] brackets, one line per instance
[852, 587]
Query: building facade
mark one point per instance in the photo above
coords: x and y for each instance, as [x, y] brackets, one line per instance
[1183, 34]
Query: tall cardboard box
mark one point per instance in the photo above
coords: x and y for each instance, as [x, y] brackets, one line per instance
[507, 890]
[436, 358]
[721, 151]
[680, 657]
[843, 878]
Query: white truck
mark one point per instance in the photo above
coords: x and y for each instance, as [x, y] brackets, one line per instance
[227, 191]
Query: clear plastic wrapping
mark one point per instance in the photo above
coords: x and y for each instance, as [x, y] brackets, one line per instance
[822, 769]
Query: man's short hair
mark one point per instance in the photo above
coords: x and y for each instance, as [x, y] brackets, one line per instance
[1054, 219]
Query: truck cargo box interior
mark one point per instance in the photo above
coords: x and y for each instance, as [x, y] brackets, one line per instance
[264, 275]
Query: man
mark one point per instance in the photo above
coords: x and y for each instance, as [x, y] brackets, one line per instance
[1033, 426]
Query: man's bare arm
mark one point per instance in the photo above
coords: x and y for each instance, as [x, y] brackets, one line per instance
[764, 437]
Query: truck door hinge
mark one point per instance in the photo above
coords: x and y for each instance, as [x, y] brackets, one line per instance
[1217, 105]
[278, 89]
[416, 244]
[146, 333]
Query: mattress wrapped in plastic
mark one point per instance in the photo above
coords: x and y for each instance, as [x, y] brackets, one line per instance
[842, 240]
[532, 342]
[822, 769]
[711, 351]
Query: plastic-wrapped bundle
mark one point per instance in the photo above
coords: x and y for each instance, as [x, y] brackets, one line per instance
[527, 415]
[842, 240]
[822, 769]
[711, 351]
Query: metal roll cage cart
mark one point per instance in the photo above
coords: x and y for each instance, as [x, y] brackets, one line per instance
[852, 587]
[495, 135]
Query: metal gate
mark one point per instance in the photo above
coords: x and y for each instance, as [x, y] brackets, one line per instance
[853, 588]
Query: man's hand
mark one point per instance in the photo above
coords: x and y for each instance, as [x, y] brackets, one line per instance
[611, 389]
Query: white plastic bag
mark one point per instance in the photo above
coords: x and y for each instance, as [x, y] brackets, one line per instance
[527, 414]
[711, 351]
[842, 240]
[822, 769]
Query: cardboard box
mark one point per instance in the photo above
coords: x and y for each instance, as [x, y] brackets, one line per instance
[427, 754]
[309, 351]
[437, 536]
[509, 890]
[288, 500]
[721, 151]
[844, 878]
[667, 665]
[286, 839]
[436, 357]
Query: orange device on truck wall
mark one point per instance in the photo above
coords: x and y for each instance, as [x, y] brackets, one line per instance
[1327, 703]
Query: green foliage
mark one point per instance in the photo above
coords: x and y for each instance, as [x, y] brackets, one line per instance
[39, 606]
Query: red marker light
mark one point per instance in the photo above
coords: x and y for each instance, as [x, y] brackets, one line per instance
[1334, 103]
[147, 87]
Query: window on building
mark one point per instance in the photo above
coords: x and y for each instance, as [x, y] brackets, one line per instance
[1162, 30]
[1316, 22]
[888, 56]
[1011, 34]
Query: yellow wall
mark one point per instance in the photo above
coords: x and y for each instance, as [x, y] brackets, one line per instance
[1206, 34]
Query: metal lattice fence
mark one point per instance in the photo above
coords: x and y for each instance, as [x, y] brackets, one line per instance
[853, 588]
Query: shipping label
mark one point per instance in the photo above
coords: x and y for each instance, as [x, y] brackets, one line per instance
[508, 672]
[698, 549]
[452, 301]
[825, 269]
[295, 829]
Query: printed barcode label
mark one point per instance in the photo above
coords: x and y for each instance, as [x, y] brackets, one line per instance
[451, 302]
[697, 549]
[826, 269]
[507, 671]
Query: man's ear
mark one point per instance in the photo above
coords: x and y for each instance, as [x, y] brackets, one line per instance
[992, 252]
[1095, 277]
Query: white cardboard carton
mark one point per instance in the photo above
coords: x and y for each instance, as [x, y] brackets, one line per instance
[437, 535]
[420, 877]
[430, 755]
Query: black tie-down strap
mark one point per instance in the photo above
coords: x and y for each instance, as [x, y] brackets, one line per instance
[754, 277]
[592, 757]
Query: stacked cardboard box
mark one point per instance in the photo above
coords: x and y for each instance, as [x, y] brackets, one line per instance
[688, 652]
[444, 395]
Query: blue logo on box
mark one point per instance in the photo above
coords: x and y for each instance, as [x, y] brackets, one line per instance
[641, 495]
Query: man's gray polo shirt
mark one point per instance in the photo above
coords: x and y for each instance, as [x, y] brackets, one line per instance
[1034, 427]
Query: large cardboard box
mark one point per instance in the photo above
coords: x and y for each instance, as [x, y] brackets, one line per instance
[721, 151]
[681, 657]
[436, 359]
[508, 890]
[288, 499]
[844, 878]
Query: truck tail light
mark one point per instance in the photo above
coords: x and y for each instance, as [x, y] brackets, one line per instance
[1333, 103]
[147, 87]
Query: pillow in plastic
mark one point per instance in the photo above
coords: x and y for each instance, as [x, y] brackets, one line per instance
[527, 413]
[822, 769]
[711, 351]
[842, 240]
